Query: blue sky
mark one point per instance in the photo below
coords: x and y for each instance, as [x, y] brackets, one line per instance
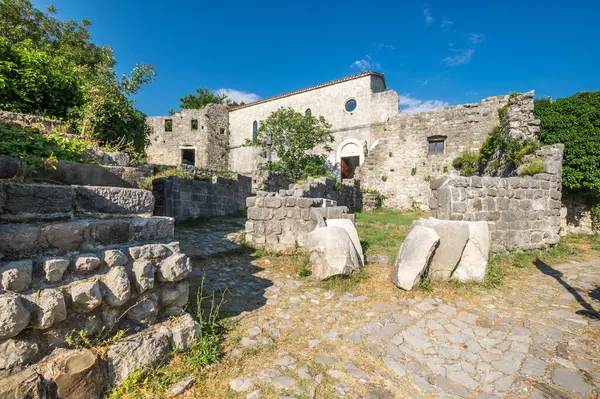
[435, 53]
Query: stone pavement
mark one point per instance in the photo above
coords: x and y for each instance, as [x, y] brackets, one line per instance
[532, 339]
[210, 237]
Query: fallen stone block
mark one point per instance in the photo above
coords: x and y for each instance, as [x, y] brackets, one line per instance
[414, 256]
[453, 238]
[332, 253]
[474, 261]
[347, 225]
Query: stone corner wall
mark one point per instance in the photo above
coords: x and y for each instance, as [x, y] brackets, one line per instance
[186, 199]
[278, 221]
[522, 212]
[519, 121]
[576, 215]
[81, 258]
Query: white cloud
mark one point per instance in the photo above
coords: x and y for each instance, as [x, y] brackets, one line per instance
[410, 105]
[463, 57]
[476, 38]
[427, 15]
[383, 46]
[445, 23]
[365, 64]
[238, 95]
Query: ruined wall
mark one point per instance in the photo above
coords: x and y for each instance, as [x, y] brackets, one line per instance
[576, 215]
[34, 121]
[186, 199]
[210, 140]
[400, 165]
[81, 258]
[522, 212]
[345, 194]
[280, 222]
[519, 121]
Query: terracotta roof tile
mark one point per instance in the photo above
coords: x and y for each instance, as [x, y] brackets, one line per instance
[291, 93]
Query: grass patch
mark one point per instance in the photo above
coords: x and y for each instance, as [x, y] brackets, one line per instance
[382, 231]
[344, 284]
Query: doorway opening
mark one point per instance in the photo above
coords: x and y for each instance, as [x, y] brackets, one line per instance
[188, 156]
[349, 165]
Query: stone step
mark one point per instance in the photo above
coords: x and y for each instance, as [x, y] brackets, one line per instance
[40, 202]
[18, 241]
[74, 173]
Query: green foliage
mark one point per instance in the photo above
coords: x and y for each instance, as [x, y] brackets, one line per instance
[81, 340]
[427, 178]
[445, 169]
[390, 154]
[533, 167]
[575, 122]
[304, 272]
[490, 145]
[466, 163]
[384, 178]
[52, 68]
[413, 171]
[295, 136]
[146, 184]
[34, 81]
[200, 99]
[31, 146]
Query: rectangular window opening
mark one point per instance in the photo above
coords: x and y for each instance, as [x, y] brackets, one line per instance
[194, 124]
[436, 146]
[168, 125]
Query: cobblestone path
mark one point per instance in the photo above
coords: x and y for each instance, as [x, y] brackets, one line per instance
[310, 342]
[210, 238]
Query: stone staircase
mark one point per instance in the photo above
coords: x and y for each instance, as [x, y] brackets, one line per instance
[89, 259]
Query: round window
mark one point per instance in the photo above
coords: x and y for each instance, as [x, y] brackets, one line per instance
[350, 105]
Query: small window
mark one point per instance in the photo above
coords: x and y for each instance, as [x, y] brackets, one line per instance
[350, 105]
[308, 112]
[194, 124]
[254, 130]
[168, 125]
[436, 145]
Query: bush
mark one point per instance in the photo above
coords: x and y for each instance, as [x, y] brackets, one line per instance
[533, 167]
[466, 163]
[30, 146]
[575, 122]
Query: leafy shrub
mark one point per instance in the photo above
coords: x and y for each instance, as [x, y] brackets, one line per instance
[30, 146]
[146, 184]
[466, 163]
[575, 122]
[533, 167]
[384, 178]
[413, 171]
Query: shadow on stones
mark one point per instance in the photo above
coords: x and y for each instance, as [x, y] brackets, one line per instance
[588, 310]
[231, 277]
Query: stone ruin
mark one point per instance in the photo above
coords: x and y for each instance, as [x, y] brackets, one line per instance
[89, 259]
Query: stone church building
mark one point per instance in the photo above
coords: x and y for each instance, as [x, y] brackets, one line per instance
[394, 153]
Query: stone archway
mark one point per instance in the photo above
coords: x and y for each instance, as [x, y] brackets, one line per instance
[350, 155]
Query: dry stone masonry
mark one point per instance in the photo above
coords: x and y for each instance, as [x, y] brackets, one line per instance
[186, 199]
[90, 259]
[519, 121]
[522, 212]
[280, 221]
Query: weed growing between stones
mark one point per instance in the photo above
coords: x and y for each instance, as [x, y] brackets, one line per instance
[153, 382]
[97, 343]
[304, 272]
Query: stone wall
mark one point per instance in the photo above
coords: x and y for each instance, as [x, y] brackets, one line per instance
[270, 181]
[522, 212]
[33, 121]
[85, 274]
[278, 221]
[346, 194]
[186, 199]
[208, 137]
[519, 121]
[576, 216]
[400, 166]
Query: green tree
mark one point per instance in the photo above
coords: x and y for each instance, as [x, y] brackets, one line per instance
[575, 122]
[300, 142]
[52, 68]
[200, 99]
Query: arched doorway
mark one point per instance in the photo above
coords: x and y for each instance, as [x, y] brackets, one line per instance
[350, 155]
